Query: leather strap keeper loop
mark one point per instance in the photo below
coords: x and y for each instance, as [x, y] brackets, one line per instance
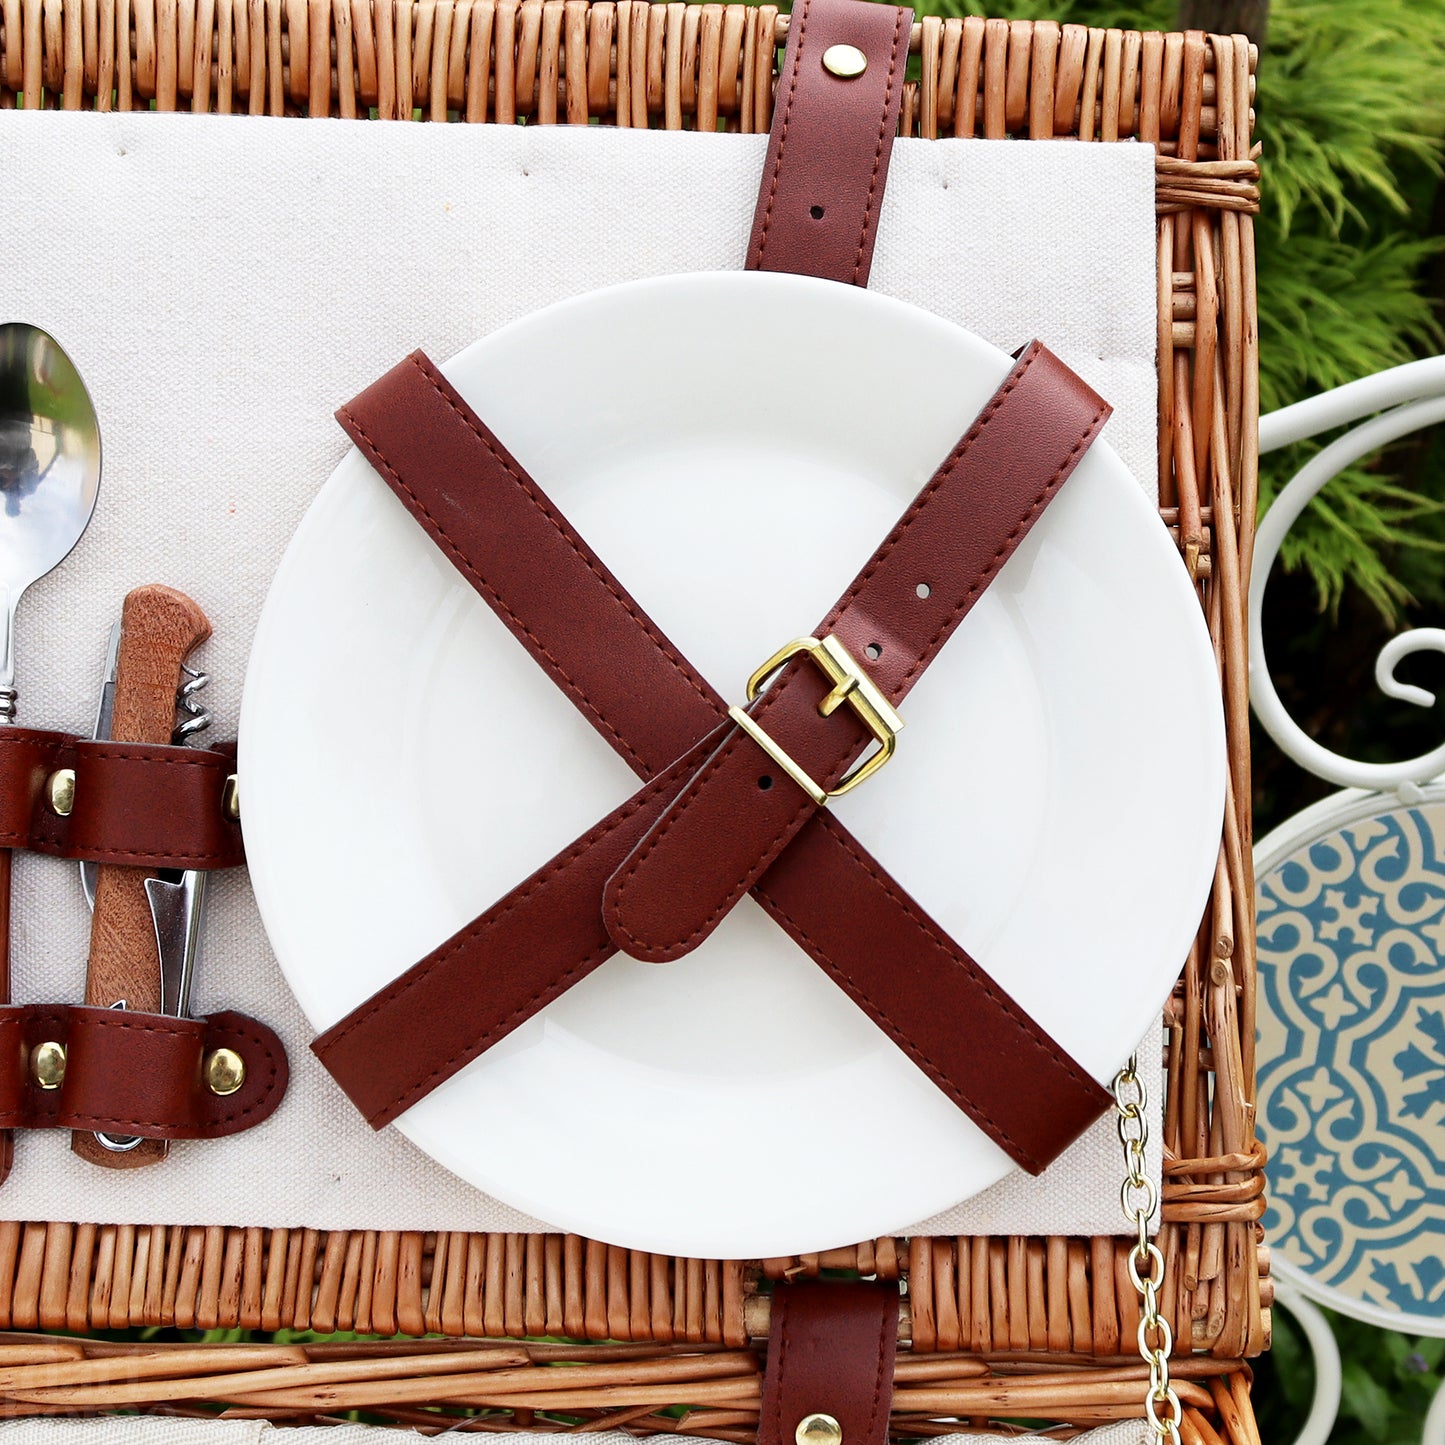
[128, 1073]
[137, 804]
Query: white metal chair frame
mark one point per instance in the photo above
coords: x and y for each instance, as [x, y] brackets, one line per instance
[1397, 402]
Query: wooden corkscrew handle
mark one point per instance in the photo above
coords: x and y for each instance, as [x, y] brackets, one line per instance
[159, 629]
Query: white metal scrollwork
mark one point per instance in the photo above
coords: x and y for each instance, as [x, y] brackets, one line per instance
[1407, 398]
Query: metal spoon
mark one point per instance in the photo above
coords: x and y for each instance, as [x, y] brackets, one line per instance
[49, 473]
[49, 478]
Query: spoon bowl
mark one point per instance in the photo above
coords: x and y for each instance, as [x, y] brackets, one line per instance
[49, 480]
[49, 472]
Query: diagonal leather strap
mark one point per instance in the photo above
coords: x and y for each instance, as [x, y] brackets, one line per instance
[828, 150]
[730, 822]
[831, 1349]
[494, 523]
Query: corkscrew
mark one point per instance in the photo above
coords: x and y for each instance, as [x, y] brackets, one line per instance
[158, 627]
[197, 718]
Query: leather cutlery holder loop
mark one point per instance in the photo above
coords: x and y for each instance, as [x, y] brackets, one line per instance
[131, 1073]
[137, 804]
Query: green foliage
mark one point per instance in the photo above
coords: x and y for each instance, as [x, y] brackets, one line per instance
[1389, 1381]
[1351, 118]
[1349, 93]
[1159, 16]
[1351, 115]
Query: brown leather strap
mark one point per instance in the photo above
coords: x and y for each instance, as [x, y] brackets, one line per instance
[736, 816]
[831, 139]
[134, 803]
[831, 1349]
[492, 975]
[132, 1073]
[914, 981]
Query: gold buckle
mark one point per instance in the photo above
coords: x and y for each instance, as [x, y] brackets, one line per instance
[851, 685]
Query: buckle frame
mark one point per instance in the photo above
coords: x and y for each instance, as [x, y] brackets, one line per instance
[851, 685]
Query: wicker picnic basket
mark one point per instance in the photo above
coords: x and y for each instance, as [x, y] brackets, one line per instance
[998, 1329]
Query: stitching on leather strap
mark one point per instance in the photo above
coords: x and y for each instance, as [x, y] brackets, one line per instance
[433, 378]
[737, 737]
[203, 1115]
[563, 528]
[782, 1366]
[458, 558]
[802, 21]
[875, 195]
[248, 1031]
[487, 922]
[886, 1326]
[84, 834]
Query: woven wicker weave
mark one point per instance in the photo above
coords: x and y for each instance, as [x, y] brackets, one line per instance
[1046, 1326]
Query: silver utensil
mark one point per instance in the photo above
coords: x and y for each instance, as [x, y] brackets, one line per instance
[49, 481]
[49, 473]
[177, 909]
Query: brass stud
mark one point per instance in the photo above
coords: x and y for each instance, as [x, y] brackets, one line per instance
[818, 1430]
[47, 1064]
[231, 799]
[225, 1071]
[846, 62]
[60, 792]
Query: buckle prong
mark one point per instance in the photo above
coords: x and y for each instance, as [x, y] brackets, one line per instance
[851, 685]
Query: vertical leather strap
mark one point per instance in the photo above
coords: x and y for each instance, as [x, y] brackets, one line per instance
[831, 140]
[830, 1352]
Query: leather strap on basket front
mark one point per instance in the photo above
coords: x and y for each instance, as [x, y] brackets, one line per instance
[831, 138]
[510, 542]
[831, 1349]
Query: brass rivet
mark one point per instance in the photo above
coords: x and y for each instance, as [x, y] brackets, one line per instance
[846, 62]
[47, 1064]
[60, 792]
[225, 1071]
[818, 1430]
[231, 799]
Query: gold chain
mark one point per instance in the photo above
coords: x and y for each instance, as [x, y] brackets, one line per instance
[1140, 1199]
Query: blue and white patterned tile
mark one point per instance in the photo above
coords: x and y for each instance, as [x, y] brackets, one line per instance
[1351, 921]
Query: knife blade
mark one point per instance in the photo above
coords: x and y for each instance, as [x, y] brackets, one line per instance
[104, 711]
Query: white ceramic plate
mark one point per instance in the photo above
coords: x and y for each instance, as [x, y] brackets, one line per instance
[734, 446]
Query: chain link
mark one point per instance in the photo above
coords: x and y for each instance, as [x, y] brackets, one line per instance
[1139, 1198]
